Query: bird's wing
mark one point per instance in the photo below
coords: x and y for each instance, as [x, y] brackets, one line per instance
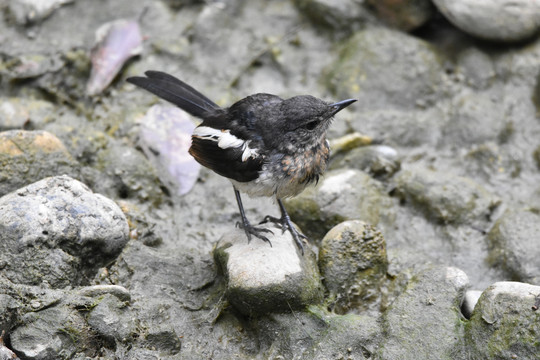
[226, 154]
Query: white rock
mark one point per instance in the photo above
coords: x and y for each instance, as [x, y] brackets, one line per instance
[500, 20]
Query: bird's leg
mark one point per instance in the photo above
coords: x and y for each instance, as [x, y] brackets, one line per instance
[248, 228]
[286, 224]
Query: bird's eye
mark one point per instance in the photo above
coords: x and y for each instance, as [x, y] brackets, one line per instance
[310, 125]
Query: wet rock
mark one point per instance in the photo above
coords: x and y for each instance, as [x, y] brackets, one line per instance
[445, 198]
[99, 290]
[469, 302]
[8, 311]
[331, 336]
[53, 333]
[57, 230]
[130, 174]
[31, 11]
[163, 338]
[29, 66]
[536, 156]
[503, 324]
[263, 279]
[18, 113]
[513, 245]
[501, 20]
[341, 195]
[353, 261]
[367, 69]
[27, 156]
[379, 161]
[477, 68]
[403, 14]
[474, 118]
[422, 323]
[112, 319]
[340, 15]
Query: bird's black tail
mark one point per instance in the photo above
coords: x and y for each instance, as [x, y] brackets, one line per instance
[175, 91]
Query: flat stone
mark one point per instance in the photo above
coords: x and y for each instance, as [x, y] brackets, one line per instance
[263, 278]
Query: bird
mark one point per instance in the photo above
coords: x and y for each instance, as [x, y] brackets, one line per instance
[265, 145]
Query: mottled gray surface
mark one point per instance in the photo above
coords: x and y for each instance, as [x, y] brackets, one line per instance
[450, 177]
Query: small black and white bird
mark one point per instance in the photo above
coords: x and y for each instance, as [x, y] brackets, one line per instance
[265, 145]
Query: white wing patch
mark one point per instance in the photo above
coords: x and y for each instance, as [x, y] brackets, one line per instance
[226, 140]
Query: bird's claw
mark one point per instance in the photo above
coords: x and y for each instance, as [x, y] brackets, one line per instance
[255, 231]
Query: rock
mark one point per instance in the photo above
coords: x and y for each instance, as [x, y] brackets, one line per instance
[353, 261]
[345, 194]
[331, 336]
[131, 174]
[18, 113]
[403, 14]
[499, 20]
[469, 302]
[99, 290]
[445, 198]
[536, 156]
[27, 156]
[53, 333]
[477, 68]
[366, 69]
[422, 323]
[56, 230]
[379, 161]
[32, 11]
[474, 118]
[112, 320]
[340, 15]
[263, 279]
[6, 353]
[513, 245]
[503, 324]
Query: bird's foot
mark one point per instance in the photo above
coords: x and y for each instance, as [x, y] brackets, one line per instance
[255, 231]
[285, 223]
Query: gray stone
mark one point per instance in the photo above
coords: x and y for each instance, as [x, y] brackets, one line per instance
[445, 198]
[28, 156]
[264, 279]
[422, 323]
[469, 302]
[477, 68]
[380, 161]
[513, 244]
[57, 230]
[345, 194]
[367, 69]
[53, 333]
[474, 118]
[504, 324]
[353, 263]
[501, 20]
[403, 14]
[337, 15]
[112, 319]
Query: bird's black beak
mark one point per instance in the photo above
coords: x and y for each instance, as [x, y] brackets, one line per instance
[340, 105]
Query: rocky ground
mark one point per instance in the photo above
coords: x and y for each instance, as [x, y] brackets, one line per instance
[424, 231]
